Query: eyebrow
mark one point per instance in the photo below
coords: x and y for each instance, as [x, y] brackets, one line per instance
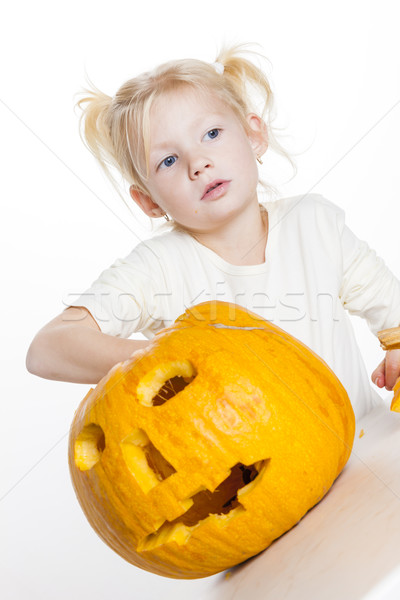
[166, 144]
[160, 146]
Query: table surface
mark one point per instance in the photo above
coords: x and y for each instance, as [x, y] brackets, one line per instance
[348, 546]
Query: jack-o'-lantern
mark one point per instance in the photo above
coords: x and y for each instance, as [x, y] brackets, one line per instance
[214, 440]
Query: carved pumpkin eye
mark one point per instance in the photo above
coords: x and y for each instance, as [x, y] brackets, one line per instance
[89, 446]
[165, 381]
[206, 446]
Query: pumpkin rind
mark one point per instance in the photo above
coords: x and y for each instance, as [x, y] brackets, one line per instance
[253, 402]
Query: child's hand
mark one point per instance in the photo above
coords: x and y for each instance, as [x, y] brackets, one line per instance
[388, 371]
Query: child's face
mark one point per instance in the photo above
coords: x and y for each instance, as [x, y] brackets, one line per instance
[197, 142]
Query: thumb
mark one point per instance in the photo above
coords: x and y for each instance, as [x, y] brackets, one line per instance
[392, 368]
[378, 376]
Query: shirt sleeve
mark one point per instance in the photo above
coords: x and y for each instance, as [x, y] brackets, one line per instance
[128, 296]
[369, 289]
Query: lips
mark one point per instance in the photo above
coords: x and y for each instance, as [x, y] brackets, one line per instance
[215, 189]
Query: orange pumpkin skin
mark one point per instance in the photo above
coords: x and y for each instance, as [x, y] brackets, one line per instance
[190, 484]
[395, 405]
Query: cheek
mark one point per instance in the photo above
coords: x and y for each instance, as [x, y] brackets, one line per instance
[160, 193]
[248, 167]
[169, 187]
[245, 157]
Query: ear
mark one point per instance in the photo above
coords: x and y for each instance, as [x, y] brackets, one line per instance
[144, 201]
[258, 134]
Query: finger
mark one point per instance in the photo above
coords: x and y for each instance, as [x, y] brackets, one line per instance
[392, 368]
[378, 376]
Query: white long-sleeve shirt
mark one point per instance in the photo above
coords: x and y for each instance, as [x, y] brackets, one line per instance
[315, 269]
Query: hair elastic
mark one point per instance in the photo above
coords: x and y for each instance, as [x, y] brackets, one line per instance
[219, 67]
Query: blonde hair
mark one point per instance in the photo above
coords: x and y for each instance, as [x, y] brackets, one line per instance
[117, 129]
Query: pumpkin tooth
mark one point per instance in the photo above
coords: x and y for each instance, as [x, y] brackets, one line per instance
[178, 533]
[144, 461]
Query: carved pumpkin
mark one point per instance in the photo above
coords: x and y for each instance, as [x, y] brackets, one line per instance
[201, 449]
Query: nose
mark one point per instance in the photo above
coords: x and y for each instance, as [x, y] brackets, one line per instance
[198, 164]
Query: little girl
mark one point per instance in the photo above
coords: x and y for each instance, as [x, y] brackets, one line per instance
[187, 140]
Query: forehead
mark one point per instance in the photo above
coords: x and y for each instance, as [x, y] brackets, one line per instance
[185, 108]
[186, 96]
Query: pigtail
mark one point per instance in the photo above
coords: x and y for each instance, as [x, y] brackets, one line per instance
[94, 125]
[245, 76]
[103, 125]
[250, 83]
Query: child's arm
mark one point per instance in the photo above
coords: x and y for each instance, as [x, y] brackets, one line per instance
[72, 348]
[370, 290]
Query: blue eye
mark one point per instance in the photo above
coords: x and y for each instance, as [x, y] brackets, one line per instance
[213, 133]
[168, 162]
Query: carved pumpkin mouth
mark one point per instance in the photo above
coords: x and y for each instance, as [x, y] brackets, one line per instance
[221, 504]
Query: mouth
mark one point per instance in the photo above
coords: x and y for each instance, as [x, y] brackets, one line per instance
[217, 506]
[215, 189]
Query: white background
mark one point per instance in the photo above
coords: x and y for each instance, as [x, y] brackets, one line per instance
[336, 76]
